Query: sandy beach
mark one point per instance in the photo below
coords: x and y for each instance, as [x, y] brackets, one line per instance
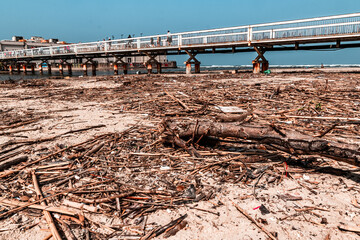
[99, 142]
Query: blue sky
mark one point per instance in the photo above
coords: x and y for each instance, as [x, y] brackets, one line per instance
[92, 20]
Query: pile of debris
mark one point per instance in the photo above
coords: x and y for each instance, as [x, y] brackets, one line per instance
[205, 132]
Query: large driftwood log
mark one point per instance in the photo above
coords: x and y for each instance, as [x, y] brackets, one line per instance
[293, 141]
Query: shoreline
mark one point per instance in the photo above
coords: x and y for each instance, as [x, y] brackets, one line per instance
[210, 69]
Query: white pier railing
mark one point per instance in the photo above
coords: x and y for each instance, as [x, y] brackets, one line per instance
[313, 29]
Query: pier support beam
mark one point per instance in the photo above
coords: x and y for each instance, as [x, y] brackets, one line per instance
[10, 69]
[41, 71]
[188, 68]
[125, 68]
[49, 68]
[152, 61]
[197, 67]
[84, 69]
[24, 68]
[61, 69]
[190, 61]
[158, 68]
[93, 68]
[149, 68]
[69, 65]
[18, 68]
[118, 61]
[32, 67]
[260, 64]
[116, 69]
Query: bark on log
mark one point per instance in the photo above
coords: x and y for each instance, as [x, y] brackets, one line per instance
[10, 162]
[293, 141]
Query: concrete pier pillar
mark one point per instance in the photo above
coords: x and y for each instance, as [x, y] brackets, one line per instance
[69, 69]
[116, 70]
[10, 69]
[85, 69]
[256, 67]
[32, 69]
[49, 68]
[18, 68]
[158, 68]
[188, 68]
[125, 69]
[24, 68]
[61, 69]
[93, 69]
[197, 67]
[41, 71]
[149, 68]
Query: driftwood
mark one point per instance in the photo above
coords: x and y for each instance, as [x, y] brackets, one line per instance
[48, 217]
[15, 203]
[182, 104]
[270, 235]
[9, 172]
[13, 161]
[81, 206]
[289, 140]
[347, 228]
[157, 231]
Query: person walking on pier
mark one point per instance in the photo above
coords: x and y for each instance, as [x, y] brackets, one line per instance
[158, 41]
[129, 43]
[169, 38]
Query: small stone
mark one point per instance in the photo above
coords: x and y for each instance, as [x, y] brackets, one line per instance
[324, 221]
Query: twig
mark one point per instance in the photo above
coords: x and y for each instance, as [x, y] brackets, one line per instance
[254, 221]
[47, 214]
[156, 232]
[13, 203]
[327, 131]
[349, 228]
[178, 101]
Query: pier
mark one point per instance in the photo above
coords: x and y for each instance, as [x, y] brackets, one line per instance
[340, 31]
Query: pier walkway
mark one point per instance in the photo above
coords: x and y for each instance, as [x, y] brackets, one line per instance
[341, 31]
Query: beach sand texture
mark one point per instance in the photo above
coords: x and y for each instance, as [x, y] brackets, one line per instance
[307, 196]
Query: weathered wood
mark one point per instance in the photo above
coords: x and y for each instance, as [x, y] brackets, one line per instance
[47, 214]
[13, 161]
[157, 231]
[182, 104]
[94, 149]
[232, 117]
[14, 203]
[254, 221]
[293, 141]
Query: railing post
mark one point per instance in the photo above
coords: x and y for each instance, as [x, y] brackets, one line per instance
[205, 40]
[272, 34]
[51, 51]
[249, 34]
[179, 40]
[138, 43]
